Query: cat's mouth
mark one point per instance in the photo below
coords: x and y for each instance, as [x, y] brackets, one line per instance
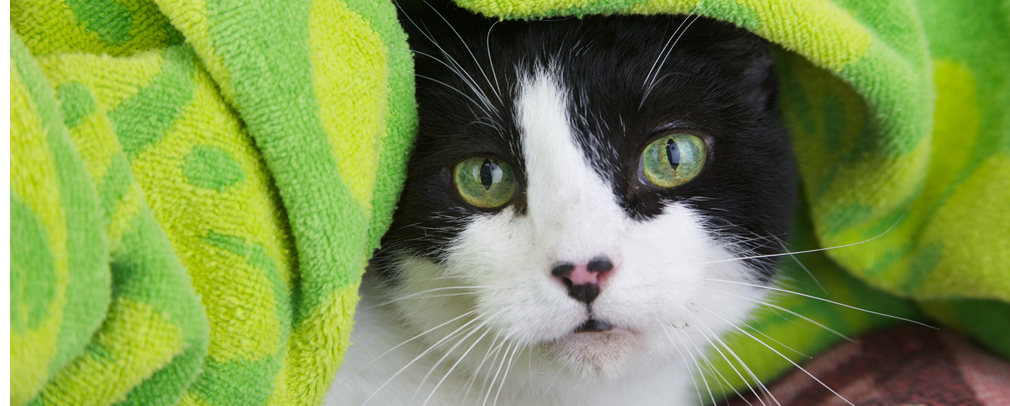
[593, 325]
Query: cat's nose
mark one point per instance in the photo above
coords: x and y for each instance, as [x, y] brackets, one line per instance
[583, 279]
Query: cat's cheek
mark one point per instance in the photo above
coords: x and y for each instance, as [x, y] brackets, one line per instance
[672, 280]
[517, 296]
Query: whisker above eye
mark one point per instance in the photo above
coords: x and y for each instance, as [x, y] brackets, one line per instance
[470, 51]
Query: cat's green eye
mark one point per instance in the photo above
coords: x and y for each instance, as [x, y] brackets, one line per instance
[484, 182]
[672, 160]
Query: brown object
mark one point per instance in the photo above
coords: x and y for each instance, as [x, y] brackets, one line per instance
[907, 365]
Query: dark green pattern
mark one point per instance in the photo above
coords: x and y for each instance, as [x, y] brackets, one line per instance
[76, 102]
[33, 278]
[211, 168]
[114, 185]
[256, 255]
[144, 118]
[109, 19]
[274, 71]
[238, 383]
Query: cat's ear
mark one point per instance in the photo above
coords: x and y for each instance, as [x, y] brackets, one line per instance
[753, 60]
[762, 80]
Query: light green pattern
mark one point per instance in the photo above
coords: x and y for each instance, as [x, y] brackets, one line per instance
[235, 243]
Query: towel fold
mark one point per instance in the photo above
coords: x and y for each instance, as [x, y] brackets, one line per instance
[196, 186]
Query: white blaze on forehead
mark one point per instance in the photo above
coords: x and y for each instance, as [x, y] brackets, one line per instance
[569, 205]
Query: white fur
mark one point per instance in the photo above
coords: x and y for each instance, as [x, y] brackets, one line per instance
[518, 343]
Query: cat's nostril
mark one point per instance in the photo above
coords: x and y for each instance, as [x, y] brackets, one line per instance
[583, 280]
[584, 293]
[599, 265]
[563, 269]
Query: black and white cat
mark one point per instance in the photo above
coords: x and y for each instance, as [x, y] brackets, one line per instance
[579, 193]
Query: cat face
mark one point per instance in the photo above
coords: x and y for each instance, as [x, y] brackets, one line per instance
[578, 190]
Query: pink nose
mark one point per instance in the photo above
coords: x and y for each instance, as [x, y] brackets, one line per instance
[583, 280]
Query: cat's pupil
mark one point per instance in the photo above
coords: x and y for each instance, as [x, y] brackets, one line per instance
[486, 174]
[672, 153]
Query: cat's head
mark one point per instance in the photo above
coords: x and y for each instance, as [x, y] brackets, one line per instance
[582, 189]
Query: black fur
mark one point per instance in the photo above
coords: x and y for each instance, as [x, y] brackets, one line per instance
[716, 82]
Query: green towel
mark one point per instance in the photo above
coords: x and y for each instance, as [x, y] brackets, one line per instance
[195, 190]
[899, 112]
[196, 185]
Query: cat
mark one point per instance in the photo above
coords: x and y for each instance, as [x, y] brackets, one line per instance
[580, 191]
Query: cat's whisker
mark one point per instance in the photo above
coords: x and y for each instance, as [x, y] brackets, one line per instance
[743, 364]
[421, 355]
[754, 329]
[426, 297]
[745, 381]
[662, 52]
[557, 374]
[813, 250]
[458, 361]
[487, 355]
[453, 88]
[442, 277]
[487, 44]
[469, 331]
[679, 33]
[487, 122]
[439, 289]
[774, 306]
[805, 269]
[459, 342]
[823, 300]
[457, 68]
[783, 357]
[490, 386]
[470, 51]
[711, 367]
[694, 359]
[720, 379]
[508, 368]
[419, 336]
[682, 349]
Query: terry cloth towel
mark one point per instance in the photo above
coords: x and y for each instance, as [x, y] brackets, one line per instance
[899, 112]
[195, 189]
[197, 185]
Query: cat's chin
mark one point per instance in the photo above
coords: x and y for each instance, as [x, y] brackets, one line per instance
[596, 355]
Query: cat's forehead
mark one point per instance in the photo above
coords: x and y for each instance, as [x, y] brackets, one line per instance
[602, 89]
[624, 81]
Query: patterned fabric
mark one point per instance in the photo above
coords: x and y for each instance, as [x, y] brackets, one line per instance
[195, 189]
[895, 367]
[196, 185]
